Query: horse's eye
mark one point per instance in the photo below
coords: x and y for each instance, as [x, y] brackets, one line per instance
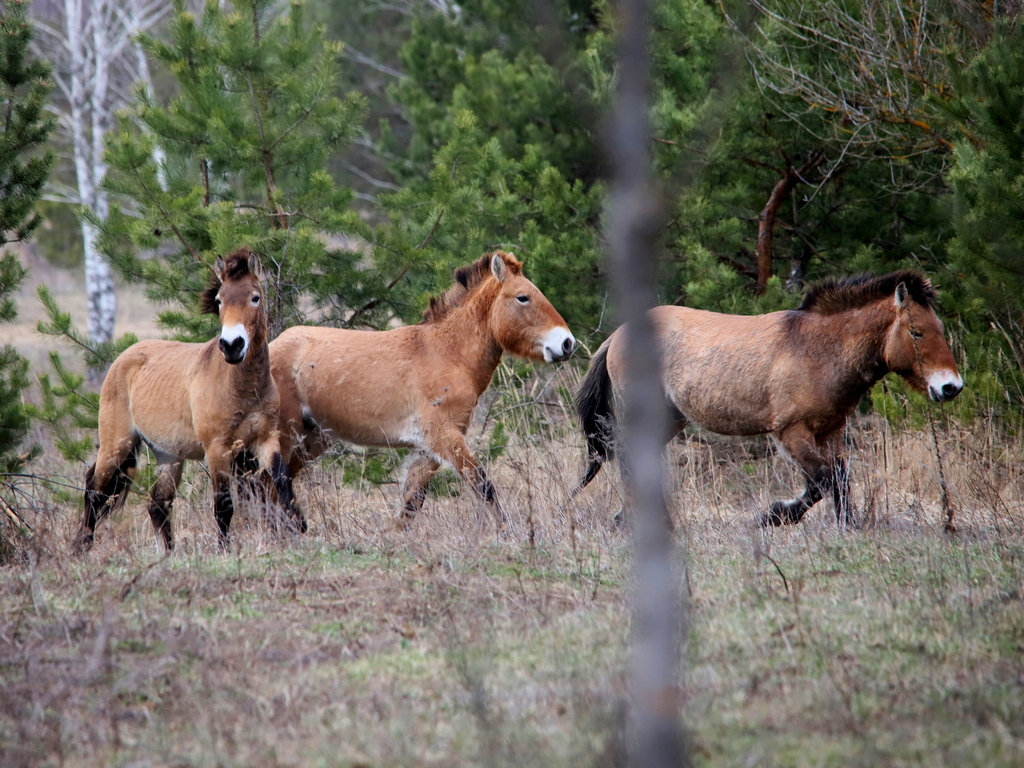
[255, 299]
[523, 298]
[916, 335]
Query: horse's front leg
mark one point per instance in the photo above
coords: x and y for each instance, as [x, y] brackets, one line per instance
[218, 460]
[839, 475]
[451, 446]
[420, 468]
[803, 447]
[161, 497]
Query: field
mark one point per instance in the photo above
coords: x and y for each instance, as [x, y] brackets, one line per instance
[892, 644]
[359, 645]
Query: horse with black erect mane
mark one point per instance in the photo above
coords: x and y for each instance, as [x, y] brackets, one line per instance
[416, 386]
[189, 401]
[797, 374]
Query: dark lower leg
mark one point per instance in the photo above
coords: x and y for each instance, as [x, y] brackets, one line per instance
[160, 500]
[485, 490]
[99, 502]
[223, 509]
[414, 488]
[841, 492]
[282, 479]
[793, 510]
[93, 501]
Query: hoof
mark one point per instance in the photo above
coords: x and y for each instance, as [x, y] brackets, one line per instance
[402, 522]
[81, 545]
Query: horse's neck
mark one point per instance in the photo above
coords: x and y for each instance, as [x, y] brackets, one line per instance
[467, 333]
[252, 376]
[864, 361]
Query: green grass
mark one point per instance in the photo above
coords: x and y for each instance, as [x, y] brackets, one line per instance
[356, 645]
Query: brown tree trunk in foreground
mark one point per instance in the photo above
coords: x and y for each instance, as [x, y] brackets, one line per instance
[654, 736]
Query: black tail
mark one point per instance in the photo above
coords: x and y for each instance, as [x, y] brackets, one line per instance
[593, 403]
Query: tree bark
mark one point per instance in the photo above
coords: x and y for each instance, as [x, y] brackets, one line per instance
[654, 730]
[766, 220]
[88, 41]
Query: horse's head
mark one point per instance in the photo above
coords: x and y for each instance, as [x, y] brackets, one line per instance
[916, 347]
[236, 296]
[522, 319]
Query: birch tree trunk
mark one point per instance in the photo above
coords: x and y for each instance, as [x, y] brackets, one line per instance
[96, 61]
[654, 730]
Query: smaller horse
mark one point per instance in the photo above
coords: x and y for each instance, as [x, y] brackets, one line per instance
[185, 401]
[797, 374]
[415, 387]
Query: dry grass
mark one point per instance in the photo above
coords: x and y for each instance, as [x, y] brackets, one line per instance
[357, 645]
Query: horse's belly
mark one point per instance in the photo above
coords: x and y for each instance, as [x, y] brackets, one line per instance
[172, 444]
[726, 421]
[162, 416]
[349, 410]
[728, 412]
[377, 433]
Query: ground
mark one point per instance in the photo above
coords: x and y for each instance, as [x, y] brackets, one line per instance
[893, 643]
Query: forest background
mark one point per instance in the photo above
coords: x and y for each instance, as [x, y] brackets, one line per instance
[366, 151]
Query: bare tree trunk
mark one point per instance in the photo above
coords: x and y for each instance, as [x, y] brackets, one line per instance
[654, 731]
[89, 42]
[766, 220]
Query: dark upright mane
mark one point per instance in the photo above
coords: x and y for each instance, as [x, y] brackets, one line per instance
[236, 266]
[836, 294]
[467, 279]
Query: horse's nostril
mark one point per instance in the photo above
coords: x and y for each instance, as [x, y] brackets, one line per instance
[567, 345]
[950, 390]
[231, 348]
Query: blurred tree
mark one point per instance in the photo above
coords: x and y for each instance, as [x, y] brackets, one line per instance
[24, 168]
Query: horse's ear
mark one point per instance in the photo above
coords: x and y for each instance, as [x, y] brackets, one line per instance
[900, 299]
[218, 268]
[498, 268]
[255, 265]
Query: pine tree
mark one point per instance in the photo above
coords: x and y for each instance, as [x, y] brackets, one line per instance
[247, 138]
[24, 169]
[988, 179]
[504, 151]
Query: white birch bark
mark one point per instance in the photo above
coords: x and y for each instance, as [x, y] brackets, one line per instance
[96, 61]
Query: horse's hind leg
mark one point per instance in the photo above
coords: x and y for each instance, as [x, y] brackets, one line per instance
[420, 469]
[161, 498]
[676, 424]
[106, 488]
[277, 471]
[841, 491]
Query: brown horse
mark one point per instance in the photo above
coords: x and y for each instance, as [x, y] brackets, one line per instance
[186, 400]
[796, 374]
[415, 387]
